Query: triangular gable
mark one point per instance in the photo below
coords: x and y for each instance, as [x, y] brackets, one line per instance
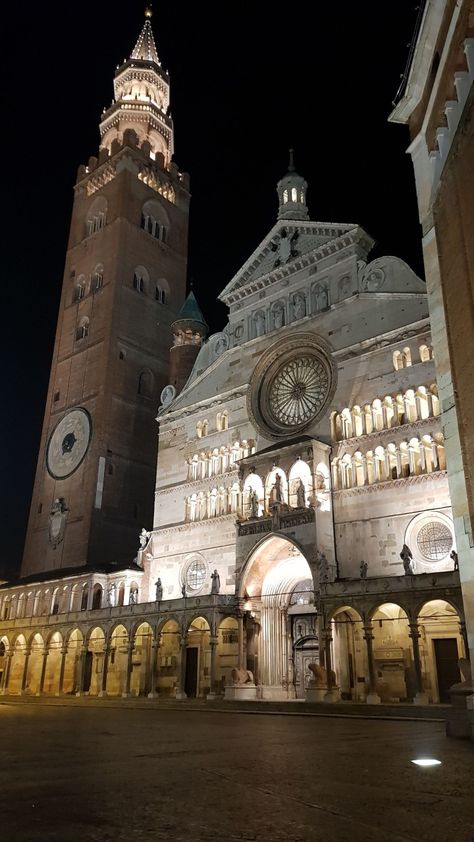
[267, 257]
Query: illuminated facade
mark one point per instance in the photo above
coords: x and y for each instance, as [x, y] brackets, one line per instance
[297, 459]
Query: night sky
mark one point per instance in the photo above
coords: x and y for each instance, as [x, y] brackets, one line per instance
[247, 82]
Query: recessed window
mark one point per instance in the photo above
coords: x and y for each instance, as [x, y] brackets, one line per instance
[82, 329]
[196, 574]
[56, 397]
[434, 541]
[160, 295]
[79, 292]
[121, 355]
[97, 280]
[110, 470]
[145, 384]
[138, 283]
[40, 508]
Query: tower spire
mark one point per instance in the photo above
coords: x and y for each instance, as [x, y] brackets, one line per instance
[142, 96]
[145, 48]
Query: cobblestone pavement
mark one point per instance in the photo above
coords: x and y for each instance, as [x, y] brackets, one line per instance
[110, 775]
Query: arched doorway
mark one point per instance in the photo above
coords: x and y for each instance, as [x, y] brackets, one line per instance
[441, 646]
[53, 664]
[141, 661]
[349, 656]
[117, 667]
[198, 659]
[73, 654]
[393, 654]
[94, 666]
[277, 589]
[168, 659]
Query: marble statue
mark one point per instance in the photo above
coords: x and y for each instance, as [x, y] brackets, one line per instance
[254, 504]
[301, 495]
[406, 556]
[133, 597]
[111, 595]
[241, 676]
[216, 582]
[144, 538]
[299, 306]
[278, 316]
[183, 590]
[259, 324]
[158, 590]
[363, 569]
[277, 493]
[323, 568]
[321, 299]
[453, 554]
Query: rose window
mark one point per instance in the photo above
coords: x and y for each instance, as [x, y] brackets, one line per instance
[196, 575]
[434, 541]
[298, 391]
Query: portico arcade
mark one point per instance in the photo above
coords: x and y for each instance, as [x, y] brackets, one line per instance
[277, 593]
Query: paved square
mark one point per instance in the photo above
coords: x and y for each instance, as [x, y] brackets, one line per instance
[112, 773]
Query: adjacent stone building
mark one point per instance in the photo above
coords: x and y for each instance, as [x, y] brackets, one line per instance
[436, 102]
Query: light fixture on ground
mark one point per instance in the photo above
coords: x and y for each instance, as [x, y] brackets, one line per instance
[426, 762]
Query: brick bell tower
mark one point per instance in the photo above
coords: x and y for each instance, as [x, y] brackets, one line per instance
[124, 285]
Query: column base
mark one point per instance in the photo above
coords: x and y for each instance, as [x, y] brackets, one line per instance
[180, 695]
[421, 699]
[153, 695]
[242, 692]
[211, 696]
[101, 694]
[373, 699]
[126, 695]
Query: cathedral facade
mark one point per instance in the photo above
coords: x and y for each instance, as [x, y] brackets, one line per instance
[302, 542]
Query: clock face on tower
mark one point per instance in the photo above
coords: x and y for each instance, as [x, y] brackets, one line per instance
[68, 443]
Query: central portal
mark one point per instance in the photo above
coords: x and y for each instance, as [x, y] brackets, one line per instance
[278, 592]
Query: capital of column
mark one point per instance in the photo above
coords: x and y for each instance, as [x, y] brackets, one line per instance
[368, 631]
[213, 641]
[63, 650]
[326, 635]
[414, 632]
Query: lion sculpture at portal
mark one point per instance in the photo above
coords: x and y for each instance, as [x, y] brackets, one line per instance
[241, 676]
[319, 678]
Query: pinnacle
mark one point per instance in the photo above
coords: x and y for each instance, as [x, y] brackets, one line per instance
[145, 48]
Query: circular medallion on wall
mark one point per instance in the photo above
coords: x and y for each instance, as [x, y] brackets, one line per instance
[291, 385]
[68, 443]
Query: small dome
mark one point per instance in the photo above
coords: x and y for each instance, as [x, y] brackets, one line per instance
[291, 191]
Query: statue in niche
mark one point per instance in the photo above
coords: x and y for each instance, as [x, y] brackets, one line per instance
[183, 590]
[112, 595]
[299, 306]
[321, 298]
[301, 495]
[277, 491]
[259, 324]
[278, 316]
[406, 556]
[158, 590]
[215, 582]
[323, 568]
[453, 554]
[133, 598]
[254, 504]
[144, 538]
[57, 521]
[363, 569]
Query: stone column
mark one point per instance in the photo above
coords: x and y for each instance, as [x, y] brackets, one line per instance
[128, 674]
[44, 654]
[154, 654]
[240, 623]
[180, 692]
[463, 633]
[331, 694]
[421, 698]
[25, 671]
[213, 640]
[59, 691]
[372, 697]
[6, 673]
[105, 665]
[81, 671]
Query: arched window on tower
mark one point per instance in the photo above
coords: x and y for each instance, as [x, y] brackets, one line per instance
[96, 216]
[145, 384]
[82, 329]
[285, 196]
[160, 295]
[97, 280]
[138, 282]
[154, 220]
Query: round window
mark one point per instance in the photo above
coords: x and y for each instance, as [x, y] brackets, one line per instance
[434, 541]
[196, 574]
[291, 385]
